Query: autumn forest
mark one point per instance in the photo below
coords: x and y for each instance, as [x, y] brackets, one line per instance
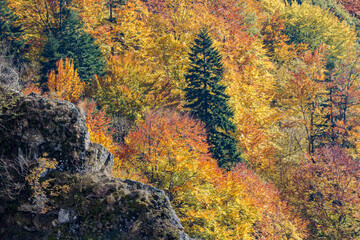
[245, 112]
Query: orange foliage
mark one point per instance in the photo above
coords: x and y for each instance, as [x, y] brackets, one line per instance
[98, 125]
[169, 151]
[65, 83]
[31, 88]
[276, 42]
[277, 217]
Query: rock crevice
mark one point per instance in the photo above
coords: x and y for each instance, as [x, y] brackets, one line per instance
[96, 205]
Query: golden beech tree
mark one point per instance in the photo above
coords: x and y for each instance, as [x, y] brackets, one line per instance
[65, 82]
[92, 12]
[307, 23]
[125, 32]
[273, 6]
[252, 90]
[132, 88]
[130, 33]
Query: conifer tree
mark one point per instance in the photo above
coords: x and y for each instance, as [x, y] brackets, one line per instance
[68, 40]
[207, 100]
[10, 33]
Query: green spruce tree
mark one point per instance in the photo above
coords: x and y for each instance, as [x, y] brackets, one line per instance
[10, 33]
[68, 40]
[207, 100]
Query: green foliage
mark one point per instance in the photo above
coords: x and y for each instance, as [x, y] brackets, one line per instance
[338, 10]
[70, 41]
[10, 32]
[207, 99]
[314, 26]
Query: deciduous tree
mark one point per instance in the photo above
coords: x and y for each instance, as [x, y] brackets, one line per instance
[65, 82]
[325, 190]
[314, 26]
[170, 151]
[99, 127]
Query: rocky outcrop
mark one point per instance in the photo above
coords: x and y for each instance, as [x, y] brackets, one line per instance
[95, 205]
[40, 125]
[99, 207]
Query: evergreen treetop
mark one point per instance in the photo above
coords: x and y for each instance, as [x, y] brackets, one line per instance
[10, 32]
[207, 100]
[68, 40]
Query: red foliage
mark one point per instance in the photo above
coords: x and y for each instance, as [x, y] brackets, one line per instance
[99, 127]
[353, 6]
[325, 189]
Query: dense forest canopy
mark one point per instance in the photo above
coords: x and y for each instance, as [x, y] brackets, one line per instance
[245, 112]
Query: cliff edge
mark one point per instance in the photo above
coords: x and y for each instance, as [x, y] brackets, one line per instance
[78, 198]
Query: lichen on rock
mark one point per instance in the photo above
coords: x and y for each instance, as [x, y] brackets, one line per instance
[96, 205]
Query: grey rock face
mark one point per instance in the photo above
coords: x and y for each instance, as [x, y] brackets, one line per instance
[45, 126]
[97, 206]
[9, 78]
[98, 159]
[64, 216]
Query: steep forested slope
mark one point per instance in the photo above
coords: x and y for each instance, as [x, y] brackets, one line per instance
[279, 85]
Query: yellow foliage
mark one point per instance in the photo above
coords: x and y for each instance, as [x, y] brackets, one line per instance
[273, 6]
[65, 83]
[307, 23]
[35, 16]
[252, 90]
[42, 190]
[132, 88]
[169, 151]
